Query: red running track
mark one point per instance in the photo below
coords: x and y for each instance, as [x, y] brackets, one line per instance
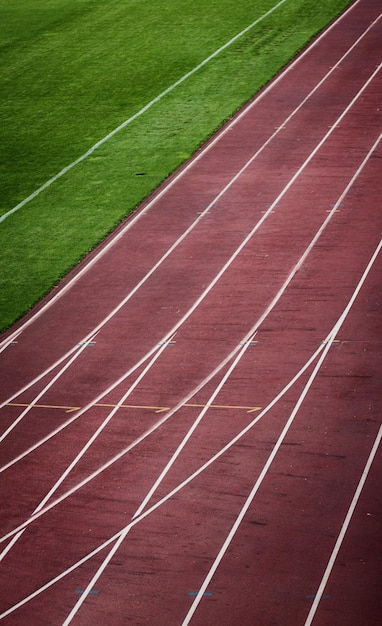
[191, 423]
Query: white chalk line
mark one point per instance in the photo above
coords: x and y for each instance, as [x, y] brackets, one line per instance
[345, 526]
[324, 347]
[162, 191]
[139, 113]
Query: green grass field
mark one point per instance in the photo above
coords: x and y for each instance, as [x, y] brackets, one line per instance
[74, 70]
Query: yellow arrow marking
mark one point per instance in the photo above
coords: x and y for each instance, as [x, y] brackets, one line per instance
[157, 409]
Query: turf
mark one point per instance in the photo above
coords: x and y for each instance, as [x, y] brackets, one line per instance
[74, 70]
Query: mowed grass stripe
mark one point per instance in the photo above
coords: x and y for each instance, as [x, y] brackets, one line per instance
[42, 242]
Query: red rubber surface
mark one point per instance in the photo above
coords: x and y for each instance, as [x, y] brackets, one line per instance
[265, 314]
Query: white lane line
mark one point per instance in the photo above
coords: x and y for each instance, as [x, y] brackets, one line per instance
[86, 447]
[330, 337]
[279, 442]
[259, 223]
[139, 113]
[251, 496]
[344, 529]
[255, 328]
[177, 177]
[245, 340]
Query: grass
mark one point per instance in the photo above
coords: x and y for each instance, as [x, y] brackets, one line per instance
[73, 70]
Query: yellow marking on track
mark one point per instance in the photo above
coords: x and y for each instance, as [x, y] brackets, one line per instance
[157, 409]
[249, 409]
[68, 409]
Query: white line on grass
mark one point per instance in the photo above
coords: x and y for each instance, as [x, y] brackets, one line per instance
[139, 113]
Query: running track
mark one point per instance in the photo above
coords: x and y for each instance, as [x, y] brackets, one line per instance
[191, 422]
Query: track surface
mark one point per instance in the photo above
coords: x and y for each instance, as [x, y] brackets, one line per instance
[206, 447]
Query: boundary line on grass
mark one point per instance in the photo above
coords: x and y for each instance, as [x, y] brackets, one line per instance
[138, 113]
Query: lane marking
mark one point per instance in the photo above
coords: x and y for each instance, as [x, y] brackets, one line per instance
[42, 393]
[344, 529]
[117, 536]
[138, 114]
[193, 428]
[192, 162]
[206, 594]
[276, 448]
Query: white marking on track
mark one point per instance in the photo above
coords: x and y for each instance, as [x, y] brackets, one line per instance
[85, 448]
[344, 528]
[124, 531]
